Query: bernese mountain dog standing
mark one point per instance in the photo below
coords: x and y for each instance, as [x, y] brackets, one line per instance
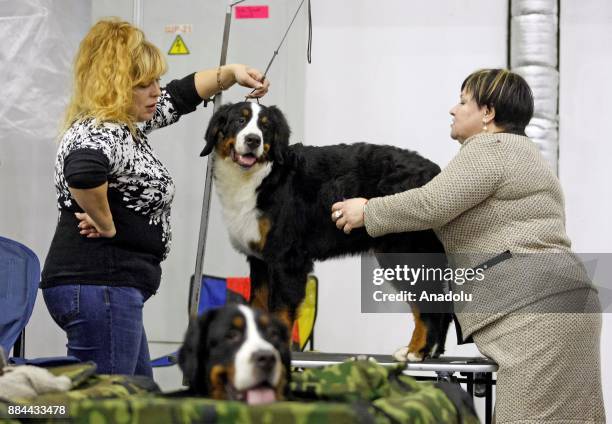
[277, 198]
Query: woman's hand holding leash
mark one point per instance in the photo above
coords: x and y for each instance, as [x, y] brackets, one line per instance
[251, 78]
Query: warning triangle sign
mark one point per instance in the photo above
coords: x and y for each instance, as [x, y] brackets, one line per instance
[178, 46]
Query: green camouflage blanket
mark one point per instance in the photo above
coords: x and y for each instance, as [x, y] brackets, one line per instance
[351, 392]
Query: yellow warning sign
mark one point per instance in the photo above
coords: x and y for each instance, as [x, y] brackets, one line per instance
[178, 46]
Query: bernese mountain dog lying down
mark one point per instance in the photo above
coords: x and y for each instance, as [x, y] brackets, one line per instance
[236, 353]
[277, 199]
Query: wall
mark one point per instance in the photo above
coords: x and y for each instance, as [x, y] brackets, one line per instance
[585, 145]
[39, 41]
[388, 73]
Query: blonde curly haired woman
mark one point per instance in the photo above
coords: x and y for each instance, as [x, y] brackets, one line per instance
[114, 194]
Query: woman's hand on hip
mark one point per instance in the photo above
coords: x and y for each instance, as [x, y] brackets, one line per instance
[88, 228]
[97, 219]
[348, 214]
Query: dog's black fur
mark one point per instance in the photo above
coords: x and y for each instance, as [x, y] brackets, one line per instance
[296, 199]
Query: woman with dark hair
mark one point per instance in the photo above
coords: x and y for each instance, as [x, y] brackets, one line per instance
[498, 203]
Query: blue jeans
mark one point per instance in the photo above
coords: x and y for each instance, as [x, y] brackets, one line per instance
[103, 325]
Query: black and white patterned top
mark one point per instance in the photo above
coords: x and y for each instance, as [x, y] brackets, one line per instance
[134, 170]
[140, 192]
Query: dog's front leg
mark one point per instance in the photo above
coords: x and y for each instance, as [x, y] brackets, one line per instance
[431, 320]
[277, 290]
[287, 292]
[428, 337]
[260, 283]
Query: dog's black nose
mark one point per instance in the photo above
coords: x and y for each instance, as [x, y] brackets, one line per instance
[252, 141]
[264, 360]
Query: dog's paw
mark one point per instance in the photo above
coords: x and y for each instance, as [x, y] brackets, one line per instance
[403, 355]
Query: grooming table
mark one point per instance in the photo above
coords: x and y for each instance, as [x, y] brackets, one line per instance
[477, 371]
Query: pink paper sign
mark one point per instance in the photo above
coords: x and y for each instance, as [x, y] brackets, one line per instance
[251, 12]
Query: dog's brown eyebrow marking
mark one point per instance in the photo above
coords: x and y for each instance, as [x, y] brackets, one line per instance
[264, 320]
[245, 112]
[264, 119]
[238, 321]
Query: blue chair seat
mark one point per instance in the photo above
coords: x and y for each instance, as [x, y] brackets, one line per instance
[19, 280]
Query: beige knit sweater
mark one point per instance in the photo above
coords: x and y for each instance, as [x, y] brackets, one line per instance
[497, 194]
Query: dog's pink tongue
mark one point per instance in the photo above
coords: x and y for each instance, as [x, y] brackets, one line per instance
[246, 160]
[260, 396]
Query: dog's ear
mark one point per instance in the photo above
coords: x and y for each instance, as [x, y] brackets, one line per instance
[193, 353]
[281, 135]
[215, 128]
[189, 352]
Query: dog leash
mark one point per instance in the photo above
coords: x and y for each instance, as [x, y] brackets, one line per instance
[308, 48]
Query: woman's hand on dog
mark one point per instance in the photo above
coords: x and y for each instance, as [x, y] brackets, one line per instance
[250, 78]
[348, 214]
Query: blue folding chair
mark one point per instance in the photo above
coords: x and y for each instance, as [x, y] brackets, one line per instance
[19, 279]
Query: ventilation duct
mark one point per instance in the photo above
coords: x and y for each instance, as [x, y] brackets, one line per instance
[534, 28]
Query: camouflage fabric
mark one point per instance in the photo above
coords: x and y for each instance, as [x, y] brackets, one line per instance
[351, 392]
[390, 395]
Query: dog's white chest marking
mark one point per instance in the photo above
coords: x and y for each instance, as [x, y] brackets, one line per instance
[237, 192]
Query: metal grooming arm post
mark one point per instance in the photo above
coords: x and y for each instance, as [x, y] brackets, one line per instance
[196, 283]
